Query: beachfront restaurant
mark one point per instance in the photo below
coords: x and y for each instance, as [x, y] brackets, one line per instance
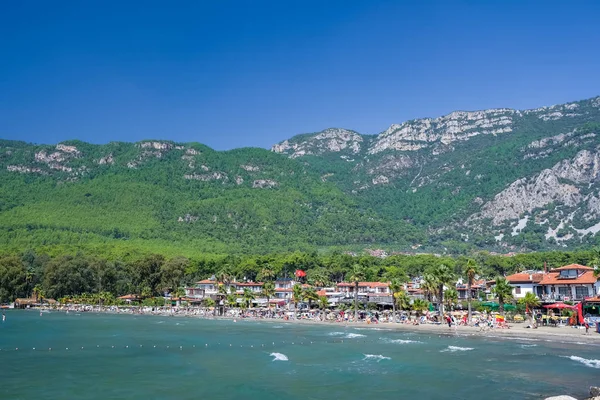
[572, 282]
[591, 312]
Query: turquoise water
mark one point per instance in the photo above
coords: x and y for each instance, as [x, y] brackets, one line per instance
[183, 358]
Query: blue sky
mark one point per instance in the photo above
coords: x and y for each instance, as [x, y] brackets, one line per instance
[252, 73]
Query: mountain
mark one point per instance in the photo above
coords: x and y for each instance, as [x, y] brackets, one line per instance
[497, 179]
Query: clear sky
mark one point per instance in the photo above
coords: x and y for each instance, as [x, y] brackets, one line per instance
[252, 73]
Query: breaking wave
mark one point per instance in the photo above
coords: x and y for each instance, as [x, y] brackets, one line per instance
[453, 349]
[377, 357]
[588, 362]
[346, 335]
[399, 341]
[279, 357]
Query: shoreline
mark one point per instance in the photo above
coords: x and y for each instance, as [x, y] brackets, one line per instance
[515, 332]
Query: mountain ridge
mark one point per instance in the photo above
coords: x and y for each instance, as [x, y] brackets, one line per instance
[426, 183]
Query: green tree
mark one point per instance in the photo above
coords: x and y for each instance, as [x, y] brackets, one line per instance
[173, 271]
[268, 291]
[310, 294]
[530, 301]
[266, 273]
[503, 291]
[419, 306]
[323, 302]
[451, 297]
[318, 277]
[471, 270]
[248, 297]
[38, 293]
[395, 288]
[356, 275]
[402, 300]
[297, 293]
[443, 276]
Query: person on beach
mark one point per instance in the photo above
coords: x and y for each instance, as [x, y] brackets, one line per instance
[586, 323]
[449, 321]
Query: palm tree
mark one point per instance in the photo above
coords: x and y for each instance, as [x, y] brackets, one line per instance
[318, 277]
[38, 293]
[443, 277]
[296, 296]
[225, 275]
[451, 296]
[402, 300]
[323, 302]
[395, 287]
[268, 291]
[530, 301]
[471, 270]
[420, 305]
[311, 295]
[248, 296]
[266, 273]
[357, 275]
[502, 290]
[429, 285]
[208, 302]
[146, 292]
[232, 300]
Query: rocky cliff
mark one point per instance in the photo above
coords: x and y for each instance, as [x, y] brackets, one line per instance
[497, 179]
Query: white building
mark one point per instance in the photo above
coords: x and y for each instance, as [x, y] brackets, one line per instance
[526, 282]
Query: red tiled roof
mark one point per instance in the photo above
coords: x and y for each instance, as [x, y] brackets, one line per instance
[322, 293]
[553, 279]
[283, 290]
[129, 297]
[525, 277]
[207, 281]
[248, 284]
[573, 266]
[363, 284]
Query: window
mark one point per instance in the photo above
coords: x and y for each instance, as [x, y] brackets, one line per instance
[581, 292]
[568, 273]
[565, 291]
[517, 289]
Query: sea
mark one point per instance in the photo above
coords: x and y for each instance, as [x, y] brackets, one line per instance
[105, 356]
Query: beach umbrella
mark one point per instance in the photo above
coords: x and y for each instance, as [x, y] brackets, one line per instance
[491, 304]
[560, 306]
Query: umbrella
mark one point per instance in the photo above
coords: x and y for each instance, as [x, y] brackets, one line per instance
[559, 306]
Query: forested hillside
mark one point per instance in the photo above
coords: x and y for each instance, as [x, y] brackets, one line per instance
[501, 179]
[177, 198]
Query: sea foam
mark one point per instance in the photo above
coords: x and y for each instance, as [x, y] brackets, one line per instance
[377, 357]
[588, 362]
[399, 341]
[453, 349]
[346, 335]
[279, 357]
[354, 335]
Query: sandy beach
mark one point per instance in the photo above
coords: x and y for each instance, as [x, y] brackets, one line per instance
[518, 330]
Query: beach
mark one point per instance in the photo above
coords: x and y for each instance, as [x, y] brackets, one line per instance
[515, 329]
[89, 355]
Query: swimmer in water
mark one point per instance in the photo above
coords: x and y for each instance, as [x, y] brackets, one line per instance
[3, 317]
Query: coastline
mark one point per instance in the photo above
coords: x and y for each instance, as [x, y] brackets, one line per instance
[516, 330]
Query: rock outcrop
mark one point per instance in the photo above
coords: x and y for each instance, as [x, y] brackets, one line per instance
[330, 140]
[559, 184]
[457, 126]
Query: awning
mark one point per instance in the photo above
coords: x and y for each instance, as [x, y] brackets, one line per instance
[560, 306]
